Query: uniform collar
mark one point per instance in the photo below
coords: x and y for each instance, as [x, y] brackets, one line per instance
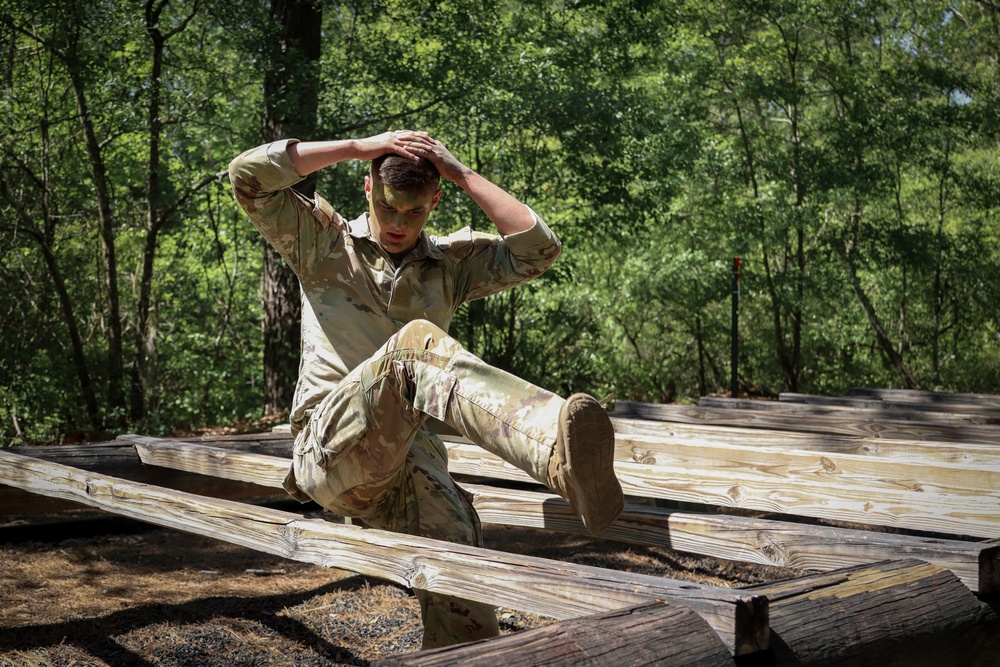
[359, 229]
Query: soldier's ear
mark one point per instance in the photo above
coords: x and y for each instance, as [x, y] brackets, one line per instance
[368, 187]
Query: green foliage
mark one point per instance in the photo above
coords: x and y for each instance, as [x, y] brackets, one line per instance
[846, 151]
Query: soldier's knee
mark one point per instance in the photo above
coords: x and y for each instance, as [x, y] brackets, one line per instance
[419, 334]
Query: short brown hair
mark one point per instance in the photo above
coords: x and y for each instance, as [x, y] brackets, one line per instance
[400, 173]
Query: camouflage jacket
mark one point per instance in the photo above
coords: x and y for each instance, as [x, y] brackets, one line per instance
[353, 297]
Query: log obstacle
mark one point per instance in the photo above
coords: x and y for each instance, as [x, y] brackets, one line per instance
[651, 635]
[851, 408]
[869, 401]
[558, 590]
[880, 598]
[849, 426]
[921, 617]
[922, 397]
[941, 498]
[767, 542]
[118, 458]
[904, 612]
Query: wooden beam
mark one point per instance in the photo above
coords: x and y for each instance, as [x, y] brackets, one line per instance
[874, 402]
[778, 543]
[119, 458]
[839, 487]
[876, 411]
[891, 613]
[838, 423]
[762, 541]
[943, 398]
[955, 499]
[556, 589]
[982, 455]
[650, 635]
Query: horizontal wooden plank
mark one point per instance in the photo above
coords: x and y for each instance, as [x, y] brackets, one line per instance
[874, 402]
[779, 543]
[846, 408]
[796, 483]
[943, 398]
[119, 458]
[762, 541]
[531, 584]
[650, 635]
[869, 426]
[972, 455]
[972, 470]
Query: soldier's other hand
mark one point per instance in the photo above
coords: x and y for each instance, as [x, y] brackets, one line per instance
[447, 164]
[400, 142]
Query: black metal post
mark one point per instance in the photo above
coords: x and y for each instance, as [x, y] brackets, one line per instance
[734, 385]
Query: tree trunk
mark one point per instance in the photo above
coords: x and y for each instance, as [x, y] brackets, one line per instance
[869, 309]
[290, 105]
[156, 215]
[116, 394]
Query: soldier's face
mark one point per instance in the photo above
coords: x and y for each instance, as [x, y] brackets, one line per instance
[397, 217]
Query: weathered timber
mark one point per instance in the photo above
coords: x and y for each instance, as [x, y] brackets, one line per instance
[556, 589]
[943, 498]
[890, 613]
[118, 458]
[961, 471]
[653, 635]
[877, 410]
[924, 396]
[981, 455]
[244, 466]
[839, 487]
[762, 541]
[783, 544]
[870, 426]
[871, 402]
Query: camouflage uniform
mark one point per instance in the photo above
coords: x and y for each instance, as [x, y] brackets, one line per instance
[376, 362]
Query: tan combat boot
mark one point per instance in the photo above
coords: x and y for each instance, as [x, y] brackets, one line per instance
[581, 468]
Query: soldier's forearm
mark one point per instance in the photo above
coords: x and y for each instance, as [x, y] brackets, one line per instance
[310, 156]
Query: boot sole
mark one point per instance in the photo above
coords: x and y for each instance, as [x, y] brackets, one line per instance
[590, 458]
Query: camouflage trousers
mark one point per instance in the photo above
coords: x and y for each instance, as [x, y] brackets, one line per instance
[364, 452]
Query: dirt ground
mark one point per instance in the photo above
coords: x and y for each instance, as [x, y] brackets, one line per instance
[169, 599]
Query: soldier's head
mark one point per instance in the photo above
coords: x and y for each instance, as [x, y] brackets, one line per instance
[401, 173]
[401, 195]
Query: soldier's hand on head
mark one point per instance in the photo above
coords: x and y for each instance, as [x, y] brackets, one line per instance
[447, 164]
[400, 142]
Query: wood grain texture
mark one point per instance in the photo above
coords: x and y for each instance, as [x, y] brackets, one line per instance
[651, 635]
[841, 423]
[982, 455]
[876, 402]
[119, 458]
[891, 613]
[538, 585]
[873, 409]
[941, 498]
[925, 396]
[779, 543]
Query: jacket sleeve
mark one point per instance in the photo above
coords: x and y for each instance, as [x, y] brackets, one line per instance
[302, 230]
[486, 263]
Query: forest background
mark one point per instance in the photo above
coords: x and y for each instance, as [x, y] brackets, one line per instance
[847, 151]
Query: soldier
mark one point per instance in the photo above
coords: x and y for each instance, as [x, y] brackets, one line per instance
[378, 296]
